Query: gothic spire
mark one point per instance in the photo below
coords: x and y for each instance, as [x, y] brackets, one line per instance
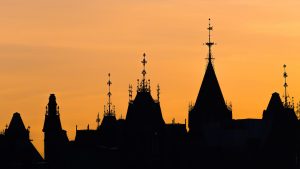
[210, 105]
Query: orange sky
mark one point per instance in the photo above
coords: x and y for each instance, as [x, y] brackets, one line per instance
[67, 47]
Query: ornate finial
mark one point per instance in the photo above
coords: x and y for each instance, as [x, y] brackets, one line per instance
[109, 93]
[209, 43]
[285, 85]
[144, 85]
[158, 92]
[130, 93]
[144, 62]
[110, 111]
[98, 120]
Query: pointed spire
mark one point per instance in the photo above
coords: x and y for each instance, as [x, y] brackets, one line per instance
[209, 43]
[285, 85]
[109, 111]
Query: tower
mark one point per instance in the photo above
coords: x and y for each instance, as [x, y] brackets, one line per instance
[55, 138]
[144, 127]
[210, 107]
[144, 113]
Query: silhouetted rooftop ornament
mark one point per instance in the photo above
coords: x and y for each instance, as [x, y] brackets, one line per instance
[285, 85]
[130, 93]
[209, 43]
[144, 85]
[98, 120]
[111, 110]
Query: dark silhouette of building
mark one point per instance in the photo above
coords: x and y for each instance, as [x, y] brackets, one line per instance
[143, 140]
[16, 149]
[55, 138]
[210, 110]
[144, 127]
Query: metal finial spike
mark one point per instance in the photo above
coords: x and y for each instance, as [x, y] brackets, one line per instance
[144, 62]
[209, 43]
[98, 120]
[285, 85]
[109, 94]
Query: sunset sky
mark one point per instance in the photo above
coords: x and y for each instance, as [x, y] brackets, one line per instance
[68, 47]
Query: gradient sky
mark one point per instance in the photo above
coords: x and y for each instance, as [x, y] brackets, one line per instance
[68, 47]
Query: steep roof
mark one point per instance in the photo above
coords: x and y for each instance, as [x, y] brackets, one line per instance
[144, 112]
[277, 112]
[21, 149]
[16, 128]
[210, 96]
[210, 106]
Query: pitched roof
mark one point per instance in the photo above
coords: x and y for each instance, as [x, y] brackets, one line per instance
[210, 101]
[16, 128]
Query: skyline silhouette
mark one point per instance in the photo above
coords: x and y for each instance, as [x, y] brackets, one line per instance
[210, 138]
[83, 45]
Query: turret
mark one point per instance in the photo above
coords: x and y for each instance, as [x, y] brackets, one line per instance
[55, 138]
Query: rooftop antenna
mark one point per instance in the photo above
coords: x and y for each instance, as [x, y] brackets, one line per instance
[285, 85]
[209, 43]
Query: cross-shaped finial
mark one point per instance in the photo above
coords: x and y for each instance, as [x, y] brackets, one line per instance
[209, 43]
[144, 62]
